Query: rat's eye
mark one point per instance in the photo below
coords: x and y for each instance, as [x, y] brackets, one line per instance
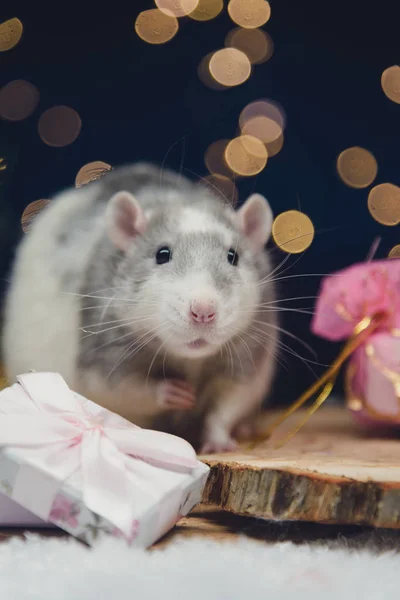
[163, 255]
[233, 257]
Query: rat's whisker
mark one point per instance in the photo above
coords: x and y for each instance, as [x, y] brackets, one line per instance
[155, 356]
[290, 334]
[267, 348]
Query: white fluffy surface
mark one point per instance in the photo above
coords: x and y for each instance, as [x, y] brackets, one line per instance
[197, 569]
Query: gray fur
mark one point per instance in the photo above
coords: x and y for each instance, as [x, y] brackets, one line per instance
[113, 280]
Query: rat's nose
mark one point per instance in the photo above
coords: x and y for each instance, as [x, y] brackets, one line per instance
[202, 311]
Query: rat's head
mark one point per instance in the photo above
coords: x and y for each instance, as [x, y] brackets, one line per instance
[192, 270]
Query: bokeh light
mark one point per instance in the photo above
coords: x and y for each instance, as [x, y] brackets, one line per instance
[255, 43]
[155, 27]
[230, 67]
[263, 108]
[223, 187]
[10, 34]
[249, 14]
[31, 212]
[390, 82]
[395, 252]
[246, 155]
[91, 172]
[203, 72]
[214, 159]
[357, 167]
[59, 126]
[177, 8]
[18, 100]
[384, 204]
[207, 10]
[274, 147]
[293, 231]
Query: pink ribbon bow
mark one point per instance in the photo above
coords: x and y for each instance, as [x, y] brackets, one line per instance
[48, 426]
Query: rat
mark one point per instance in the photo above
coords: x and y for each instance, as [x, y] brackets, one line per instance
[149, 294]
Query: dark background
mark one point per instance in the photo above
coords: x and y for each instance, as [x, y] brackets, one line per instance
[139, 101]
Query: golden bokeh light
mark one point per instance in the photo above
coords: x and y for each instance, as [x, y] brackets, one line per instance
[207, 10]
[31, 212]
[255, 43]
[357, 167]
[203, 72]
[395, 252]
[246, 155]
[91, 172]
[59, 126]
[18, 100]
[230, 67]
[263, 108]
[155, 27]
[390, 82]
[384, 204]
[274, 147]
[10, 34]
[263, 128]
[214, 159]
[177, 8]
[249, 14]
[293, 231]
[223, 187]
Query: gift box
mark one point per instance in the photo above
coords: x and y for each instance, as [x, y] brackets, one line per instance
[67, 462]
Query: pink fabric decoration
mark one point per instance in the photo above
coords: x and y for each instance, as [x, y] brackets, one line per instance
[373, 376]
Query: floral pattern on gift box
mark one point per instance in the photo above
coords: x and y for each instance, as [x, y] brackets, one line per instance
[64, 511]
[134, 532]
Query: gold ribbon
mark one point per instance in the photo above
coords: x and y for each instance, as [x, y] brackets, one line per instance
[327, 381]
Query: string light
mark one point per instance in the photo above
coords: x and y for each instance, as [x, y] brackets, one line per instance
[230, 67]
[214, 159]
[91, 172]
[223, 187]
[155, 27]
[177, 8]
[357, 167]
[255, 43]
[207, 10]
[384, 204]
[31, 212]
[395, 252]
[59, 126]
[293, 231]
[10, 34]
[246, 155]
[390, 82]
[18, 100]
[249, 14]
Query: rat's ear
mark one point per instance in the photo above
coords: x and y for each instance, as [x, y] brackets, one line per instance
[255, 220]
[124, 219]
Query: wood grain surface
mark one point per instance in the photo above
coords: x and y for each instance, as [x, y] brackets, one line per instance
[332, 471]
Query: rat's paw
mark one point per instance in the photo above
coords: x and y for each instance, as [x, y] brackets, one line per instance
[217, 441]
[246, 431]
[174, 394]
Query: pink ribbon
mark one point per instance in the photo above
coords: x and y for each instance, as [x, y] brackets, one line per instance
[47, 424]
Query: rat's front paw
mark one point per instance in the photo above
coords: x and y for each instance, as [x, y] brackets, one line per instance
[217, 440]
[174, 394]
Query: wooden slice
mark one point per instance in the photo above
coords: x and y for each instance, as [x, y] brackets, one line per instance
[331, 471]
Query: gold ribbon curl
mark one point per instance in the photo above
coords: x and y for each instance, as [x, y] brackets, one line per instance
[327, 381]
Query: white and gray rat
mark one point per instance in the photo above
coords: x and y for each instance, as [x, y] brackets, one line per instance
[144, 291]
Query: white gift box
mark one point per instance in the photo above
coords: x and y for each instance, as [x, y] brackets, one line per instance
[67, 462]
